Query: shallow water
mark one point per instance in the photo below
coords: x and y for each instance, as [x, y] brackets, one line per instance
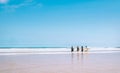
[22, 51]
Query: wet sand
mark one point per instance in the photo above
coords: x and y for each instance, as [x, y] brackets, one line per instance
[61, 63]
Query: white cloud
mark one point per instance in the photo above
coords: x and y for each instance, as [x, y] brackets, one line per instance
[25, 3]
[13, 6]
[3, 1]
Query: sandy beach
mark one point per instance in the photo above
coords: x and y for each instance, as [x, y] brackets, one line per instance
[61, 63]
[59, 36]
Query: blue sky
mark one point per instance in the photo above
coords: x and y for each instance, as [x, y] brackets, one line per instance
[30, 23]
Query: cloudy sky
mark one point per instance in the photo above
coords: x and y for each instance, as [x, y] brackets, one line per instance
[30, 23]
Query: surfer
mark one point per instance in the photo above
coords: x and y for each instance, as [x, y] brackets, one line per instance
[86, 49]
[82, 49]
[78, 49]
[72, 49]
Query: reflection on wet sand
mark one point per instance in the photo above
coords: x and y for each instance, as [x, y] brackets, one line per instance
[78, 57]
[76, 62]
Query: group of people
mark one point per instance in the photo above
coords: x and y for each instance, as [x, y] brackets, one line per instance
[82, 49]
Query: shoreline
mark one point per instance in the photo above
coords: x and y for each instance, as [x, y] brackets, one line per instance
[50, 53]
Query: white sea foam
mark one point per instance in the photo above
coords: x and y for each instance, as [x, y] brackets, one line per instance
[22, 51]
[105, 49]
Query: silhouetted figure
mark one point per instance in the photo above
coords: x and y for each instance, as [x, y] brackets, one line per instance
[86, 49]
[78, 48]
[82, 49]
[85, 46]
[72, 49]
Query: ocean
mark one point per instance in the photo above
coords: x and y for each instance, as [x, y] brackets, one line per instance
[52, 50]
